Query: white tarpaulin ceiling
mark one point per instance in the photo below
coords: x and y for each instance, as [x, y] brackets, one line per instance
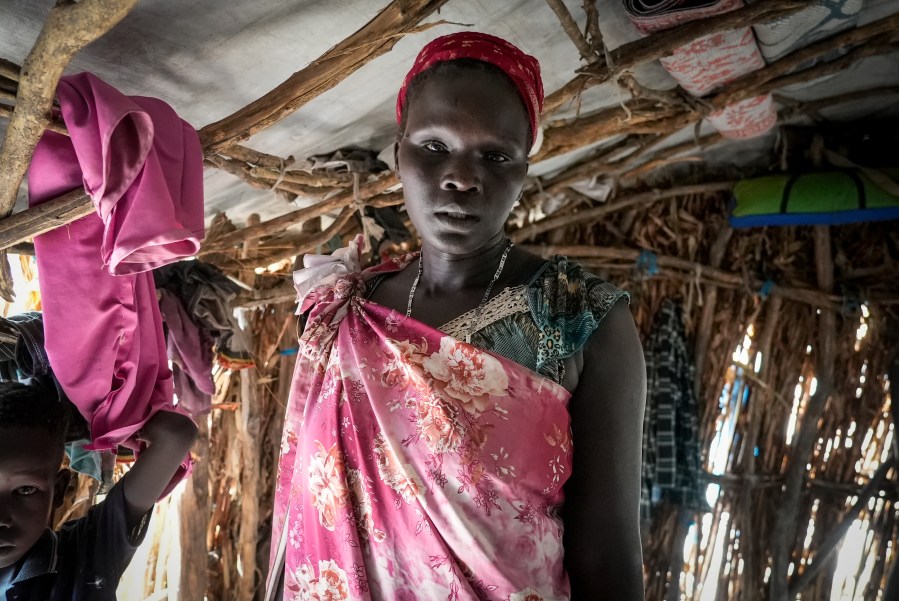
[209, 58]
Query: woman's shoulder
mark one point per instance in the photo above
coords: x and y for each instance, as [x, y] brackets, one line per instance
[563, 288]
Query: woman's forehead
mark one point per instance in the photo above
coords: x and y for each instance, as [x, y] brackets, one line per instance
[470, 99]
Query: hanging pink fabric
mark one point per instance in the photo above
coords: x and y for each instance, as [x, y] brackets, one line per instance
[710, 61]
[414, 465]
[142, 166]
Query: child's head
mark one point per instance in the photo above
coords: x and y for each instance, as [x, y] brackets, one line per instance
[32, 437]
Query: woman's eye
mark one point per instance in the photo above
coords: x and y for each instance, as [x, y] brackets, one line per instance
[496, 157]
[434, 146]
[26, 491]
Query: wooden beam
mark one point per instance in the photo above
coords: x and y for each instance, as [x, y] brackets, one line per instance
[661, 44]
[53, 125]
[871, 39]
[641, 116]
[810, 296]
[634, 200]
[44, 217]
[69, 27]
[248, 428]
[377, 37]
[278, 224]
[813, 107]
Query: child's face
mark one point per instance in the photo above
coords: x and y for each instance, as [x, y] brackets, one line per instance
[30, 483]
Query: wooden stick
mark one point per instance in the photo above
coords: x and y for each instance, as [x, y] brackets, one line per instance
[594, 33]
[810, 296]
[52, 125]
[704, 332]
[69, 27]
[664, 43]
[639, 117]
[284, 293]
[9, 70]
[643, 117]
[802, 580]
[639, 199]
[875, 37]
[44, 217]
[568, 92]
[814, 106]
[241, 171]
[278, 224]
[314, 180]
[591, 167]
[248, 428]
[194, 512]
[254, 157]
[375, 38]
[787, 518]
[273, 256]
[569, 25]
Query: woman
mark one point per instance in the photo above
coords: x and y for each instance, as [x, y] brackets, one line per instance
[445, 404]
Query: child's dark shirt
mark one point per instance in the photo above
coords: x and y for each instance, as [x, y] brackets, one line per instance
[83, 561]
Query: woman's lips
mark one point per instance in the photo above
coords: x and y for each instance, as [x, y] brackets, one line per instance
[456, 218]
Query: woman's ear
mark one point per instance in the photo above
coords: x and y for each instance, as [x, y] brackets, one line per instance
[63, 478]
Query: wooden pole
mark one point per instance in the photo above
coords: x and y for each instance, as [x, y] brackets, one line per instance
[375, 38]
[195, 511]
[248, 427]
[69, 27]
[802, 581]
[704, 334]
[785, 523]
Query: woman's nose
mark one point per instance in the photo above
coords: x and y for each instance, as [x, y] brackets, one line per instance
[460, 176]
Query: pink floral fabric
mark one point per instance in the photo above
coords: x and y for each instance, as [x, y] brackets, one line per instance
[414, 465]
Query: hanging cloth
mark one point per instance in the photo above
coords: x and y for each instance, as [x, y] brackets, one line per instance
[142, 166]
[671, 452]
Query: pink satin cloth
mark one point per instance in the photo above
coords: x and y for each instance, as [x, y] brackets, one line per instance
[413, 465]
[142, 166]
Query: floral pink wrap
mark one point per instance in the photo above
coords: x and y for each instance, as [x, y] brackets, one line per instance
[415, 466]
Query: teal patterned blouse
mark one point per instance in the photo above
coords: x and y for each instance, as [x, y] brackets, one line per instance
[544, 324]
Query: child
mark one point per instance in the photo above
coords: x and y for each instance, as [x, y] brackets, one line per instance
[86, 557]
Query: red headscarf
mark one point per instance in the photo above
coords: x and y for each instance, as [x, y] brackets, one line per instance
[523, 69]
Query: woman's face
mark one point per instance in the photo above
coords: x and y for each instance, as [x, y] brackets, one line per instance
[462, 159]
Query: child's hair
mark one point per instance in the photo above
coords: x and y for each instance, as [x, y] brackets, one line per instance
[455, 66]
[33, 406]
